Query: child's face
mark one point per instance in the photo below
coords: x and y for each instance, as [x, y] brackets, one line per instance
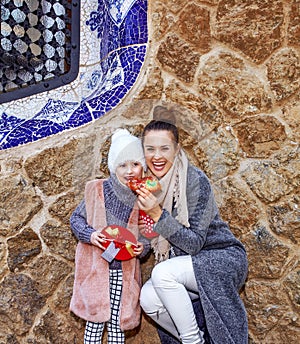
[129, 170]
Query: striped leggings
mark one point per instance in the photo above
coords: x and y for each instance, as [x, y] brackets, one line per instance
[94, 331]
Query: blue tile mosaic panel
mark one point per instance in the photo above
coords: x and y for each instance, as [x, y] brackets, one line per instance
[115, 36]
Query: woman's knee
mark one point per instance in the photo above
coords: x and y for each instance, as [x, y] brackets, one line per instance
[160, 273]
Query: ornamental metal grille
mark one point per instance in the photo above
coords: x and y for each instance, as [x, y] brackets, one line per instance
[39, 46]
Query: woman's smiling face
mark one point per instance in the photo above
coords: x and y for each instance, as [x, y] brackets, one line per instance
[160, 151]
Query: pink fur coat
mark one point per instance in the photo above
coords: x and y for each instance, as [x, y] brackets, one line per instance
[91, 298]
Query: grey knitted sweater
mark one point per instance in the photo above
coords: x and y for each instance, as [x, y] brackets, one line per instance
[219, 260]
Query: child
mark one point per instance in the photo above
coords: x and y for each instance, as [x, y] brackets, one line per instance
[108, 292]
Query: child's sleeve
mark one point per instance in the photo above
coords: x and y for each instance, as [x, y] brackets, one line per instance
[147, 246]
[79, 224]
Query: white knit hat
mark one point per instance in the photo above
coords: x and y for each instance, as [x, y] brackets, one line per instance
[124, 147]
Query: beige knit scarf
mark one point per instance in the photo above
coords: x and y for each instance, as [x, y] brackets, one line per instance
[173, 191]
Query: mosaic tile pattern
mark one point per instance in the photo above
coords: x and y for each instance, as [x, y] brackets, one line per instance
[113, 49]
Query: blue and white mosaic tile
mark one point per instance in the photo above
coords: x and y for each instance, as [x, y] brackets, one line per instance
[113, 48]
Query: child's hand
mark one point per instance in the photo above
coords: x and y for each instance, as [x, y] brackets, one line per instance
[146, 200]
[139, 248]
[149, 203]
[97, 238]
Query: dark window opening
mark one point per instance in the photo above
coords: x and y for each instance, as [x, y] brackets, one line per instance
[39, 46]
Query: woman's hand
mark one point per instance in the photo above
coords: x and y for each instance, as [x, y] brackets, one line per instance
[149, 203]
[139, 248]
[97, 238]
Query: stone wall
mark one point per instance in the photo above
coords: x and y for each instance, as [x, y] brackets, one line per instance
[232, 70]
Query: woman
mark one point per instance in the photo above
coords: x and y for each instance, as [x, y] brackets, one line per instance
[200, 257]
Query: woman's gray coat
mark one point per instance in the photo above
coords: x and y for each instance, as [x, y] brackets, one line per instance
[219, 260]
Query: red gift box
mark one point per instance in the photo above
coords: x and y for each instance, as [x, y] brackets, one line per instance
[122, 239]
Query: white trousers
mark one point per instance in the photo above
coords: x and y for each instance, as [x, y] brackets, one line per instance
[167, 298]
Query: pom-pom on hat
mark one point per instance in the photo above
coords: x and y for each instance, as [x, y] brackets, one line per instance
[124, 147]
